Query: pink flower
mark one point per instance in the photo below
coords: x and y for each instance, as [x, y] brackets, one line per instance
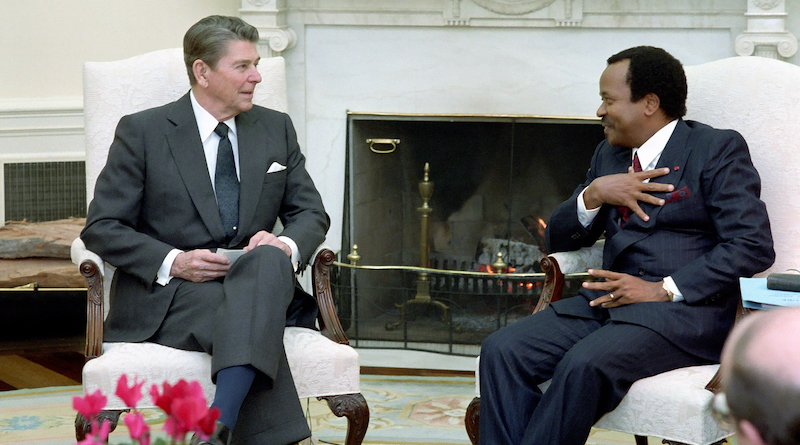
[130, 395]
[185, 405]
[90, 405]
[137, 426]
[163, 400]
[208, 423]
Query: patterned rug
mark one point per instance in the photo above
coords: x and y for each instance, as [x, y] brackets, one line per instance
[404, 410]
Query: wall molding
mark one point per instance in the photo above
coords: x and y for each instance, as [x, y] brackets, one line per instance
[35, 117]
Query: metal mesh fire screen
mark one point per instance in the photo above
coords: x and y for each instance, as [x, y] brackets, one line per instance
[447, 194]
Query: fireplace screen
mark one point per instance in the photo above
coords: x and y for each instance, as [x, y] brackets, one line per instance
[492, 182]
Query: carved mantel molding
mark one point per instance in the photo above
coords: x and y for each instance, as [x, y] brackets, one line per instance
[766, 33]
[269, 16]
[764, 21]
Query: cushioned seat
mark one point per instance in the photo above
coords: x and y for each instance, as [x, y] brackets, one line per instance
[320, 367]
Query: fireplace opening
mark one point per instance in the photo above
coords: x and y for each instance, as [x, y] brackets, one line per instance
[495, 182]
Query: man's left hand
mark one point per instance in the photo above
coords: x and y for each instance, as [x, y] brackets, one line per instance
[623, 289]
[264, 238]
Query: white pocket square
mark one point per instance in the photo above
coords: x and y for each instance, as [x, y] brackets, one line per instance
[275, 167]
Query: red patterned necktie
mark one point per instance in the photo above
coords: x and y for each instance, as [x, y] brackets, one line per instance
[624, 212]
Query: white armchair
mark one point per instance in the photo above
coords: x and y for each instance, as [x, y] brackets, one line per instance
[760, 98]
[323, 364]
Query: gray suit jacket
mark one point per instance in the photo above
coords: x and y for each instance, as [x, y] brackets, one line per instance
[712, 230]
[155, 194]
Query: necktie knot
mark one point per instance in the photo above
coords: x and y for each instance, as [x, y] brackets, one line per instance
[222, 130]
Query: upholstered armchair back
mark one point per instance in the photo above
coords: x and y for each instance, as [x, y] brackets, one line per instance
[760, 98]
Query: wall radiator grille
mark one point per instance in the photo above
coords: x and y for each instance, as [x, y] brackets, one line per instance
[44, 191]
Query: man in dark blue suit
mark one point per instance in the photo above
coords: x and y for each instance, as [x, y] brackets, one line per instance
[678, 202]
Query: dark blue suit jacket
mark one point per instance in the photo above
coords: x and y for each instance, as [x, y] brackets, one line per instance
[712, 230]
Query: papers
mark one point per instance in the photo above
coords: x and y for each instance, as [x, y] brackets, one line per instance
[755, 295]
[231, 254]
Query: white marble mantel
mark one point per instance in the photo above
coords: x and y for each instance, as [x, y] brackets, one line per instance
[479, 56]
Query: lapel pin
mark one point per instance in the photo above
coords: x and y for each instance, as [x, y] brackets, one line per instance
[676, 168]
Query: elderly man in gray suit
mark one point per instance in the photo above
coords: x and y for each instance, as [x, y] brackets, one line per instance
[211, 171]
[678, 203]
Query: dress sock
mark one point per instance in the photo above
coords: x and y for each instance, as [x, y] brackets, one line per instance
[233, 384]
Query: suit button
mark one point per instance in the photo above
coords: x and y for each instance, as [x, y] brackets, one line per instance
[642, 272]
[669, 196]
[682, 193]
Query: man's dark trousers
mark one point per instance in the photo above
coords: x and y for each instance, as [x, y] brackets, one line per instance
[240, 321]
[592, 363]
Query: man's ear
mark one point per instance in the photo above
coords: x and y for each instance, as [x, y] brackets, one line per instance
[749, 433]
[200, 70]
[651, 103]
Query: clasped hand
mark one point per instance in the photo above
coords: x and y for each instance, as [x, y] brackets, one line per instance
[627, 189]
[202, 265]
[623, 289]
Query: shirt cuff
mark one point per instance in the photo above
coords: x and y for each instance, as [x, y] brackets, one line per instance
[163, 277]
[295, 251]
[586, 216]
[676, 293]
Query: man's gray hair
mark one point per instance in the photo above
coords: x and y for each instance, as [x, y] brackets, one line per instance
[208, 39]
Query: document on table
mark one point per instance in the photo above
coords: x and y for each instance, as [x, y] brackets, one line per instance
[231, 254]
[755, 295]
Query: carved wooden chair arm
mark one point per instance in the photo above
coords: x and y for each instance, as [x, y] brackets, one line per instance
[94, 308]
[329, 323]
[553, 283]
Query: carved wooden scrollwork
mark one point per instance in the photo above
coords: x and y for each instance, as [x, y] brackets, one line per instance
[472, 420]
[354, 408]
[94, 308]
[82, 425]
[329, 323]
[553, 283]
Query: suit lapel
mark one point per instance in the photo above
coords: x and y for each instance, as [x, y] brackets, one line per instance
[187, 151]
[253, 145]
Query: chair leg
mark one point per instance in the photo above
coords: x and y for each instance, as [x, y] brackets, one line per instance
[640, 440]
[472, 420]
[82, 425]
[354, 407]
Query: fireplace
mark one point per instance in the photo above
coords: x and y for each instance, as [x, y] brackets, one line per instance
[495, 180]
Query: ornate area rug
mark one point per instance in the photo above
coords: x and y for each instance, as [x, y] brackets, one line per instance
[404, 410]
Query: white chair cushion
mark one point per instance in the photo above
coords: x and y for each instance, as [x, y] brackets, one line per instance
[672, 405]
[319, 367]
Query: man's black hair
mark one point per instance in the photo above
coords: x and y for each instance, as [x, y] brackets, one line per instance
[653, 70]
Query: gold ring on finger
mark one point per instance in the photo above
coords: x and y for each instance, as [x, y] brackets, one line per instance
[611, 296]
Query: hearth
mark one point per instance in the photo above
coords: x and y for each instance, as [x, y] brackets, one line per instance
[493, 182]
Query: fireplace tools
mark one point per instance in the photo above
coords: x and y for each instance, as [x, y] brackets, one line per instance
[423, 295]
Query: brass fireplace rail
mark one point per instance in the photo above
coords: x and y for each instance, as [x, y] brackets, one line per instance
[458, 272]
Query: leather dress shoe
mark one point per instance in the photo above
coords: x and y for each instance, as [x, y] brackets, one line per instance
[222, 436]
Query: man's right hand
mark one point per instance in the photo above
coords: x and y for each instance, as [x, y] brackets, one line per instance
[627, 189]
[200, 265]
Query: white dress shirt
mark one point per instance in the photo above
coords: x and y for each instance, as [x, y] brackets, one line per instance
[649, 154]
[206, 123]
